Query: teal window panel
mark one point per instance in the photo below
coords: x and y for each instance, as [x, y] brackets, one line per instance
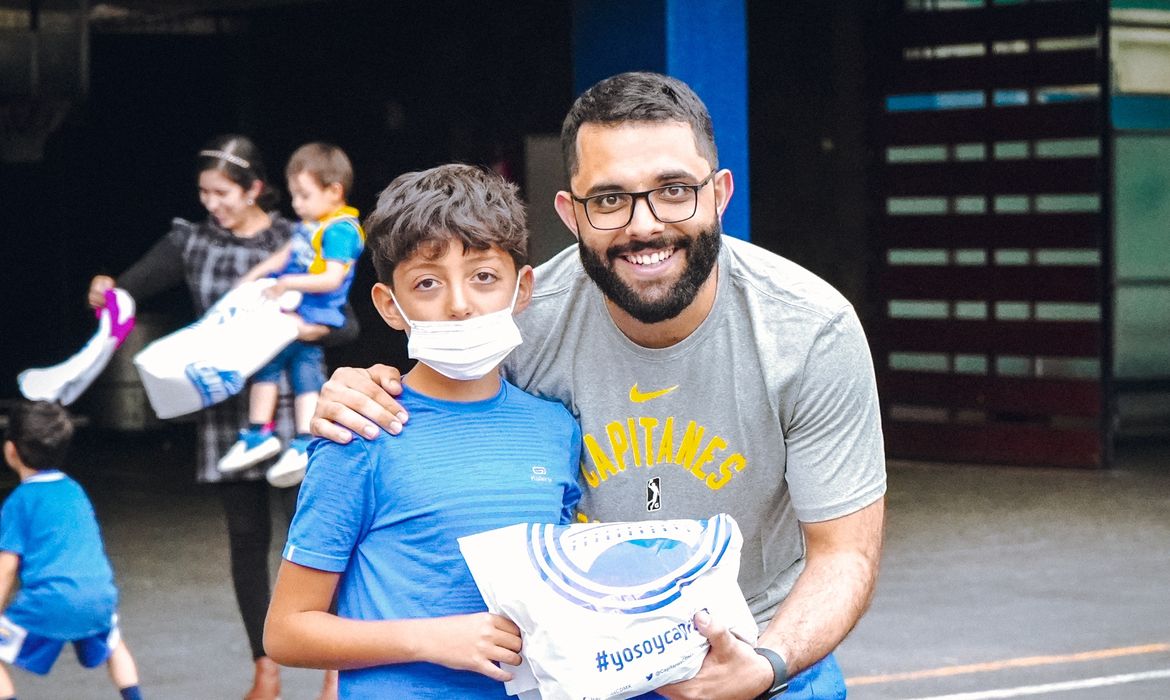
[1012, 256]
[1068, 367]
[971, 310]
[916, 256]
[971, 256]
[1013, 366]
[971, 204]
[1013, 204]
[916, 206]
[1013, 311]
[906, 308]
[1141, 328]
[1142, 207]
[1068, 148]
[1068, 203]
[970, 151]
[1010, 98]
[936, 101]
[1078, 257]
[920, 361]
[1011, 150]
[916, 154]
[1067, 311]
[970, 364]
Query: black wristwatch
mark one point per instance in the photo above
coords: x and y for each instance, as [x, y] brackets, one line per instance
[779, 674]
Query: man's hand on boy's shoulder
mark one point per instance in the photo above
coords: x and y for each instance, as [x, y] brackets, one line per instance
[360, 401]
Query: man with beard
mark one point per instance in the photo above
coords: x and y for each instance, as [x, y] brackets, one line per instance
[708, 375]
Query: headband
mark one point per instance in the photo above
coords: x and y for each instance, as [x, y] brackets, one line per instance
[229, 157]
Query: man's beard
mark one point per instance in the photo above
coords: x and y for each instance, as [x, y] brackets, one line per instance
[702, 252]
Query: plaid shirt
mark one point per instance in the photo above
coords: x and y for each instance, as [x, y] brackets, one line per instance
[212, 259]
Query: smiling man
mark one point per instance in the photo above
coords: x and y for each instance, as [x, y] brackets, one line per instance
[708, 375]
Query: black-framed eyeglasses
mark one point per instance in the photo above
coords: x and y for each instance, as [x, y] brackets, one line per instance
[669, 204]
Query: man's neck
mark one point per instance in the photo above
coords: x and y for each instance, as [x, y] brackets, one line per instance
[671, 331]
[426, 381]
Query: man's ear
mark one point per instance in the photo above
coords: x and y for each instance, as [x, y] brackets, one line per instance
[564, 206]
[527, 280]
[724, 187]
[387, 309]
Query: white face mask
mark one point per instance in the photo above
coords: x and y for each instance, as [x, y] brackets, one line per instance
[466, 349]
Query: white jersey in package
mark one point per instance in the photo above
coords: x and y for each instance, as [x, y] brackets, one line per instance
[605, 609]
[66, 381]
[209, 360]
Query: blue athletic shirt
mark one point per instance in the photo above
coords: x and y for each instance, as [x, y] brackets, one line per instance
[386, 514]
[340, 240]
[66, 583]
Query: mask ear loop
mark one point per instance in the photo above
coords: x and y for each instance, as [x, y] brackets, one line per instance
[400, 311]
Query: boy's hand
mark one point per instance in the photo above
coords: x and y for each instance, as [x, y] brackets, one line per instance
[474, 642]
[274, 290]
[359, 400]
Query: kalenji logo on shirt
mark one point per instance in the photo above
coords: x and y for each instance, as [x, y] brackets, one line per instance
[644, 396]
[540, 474]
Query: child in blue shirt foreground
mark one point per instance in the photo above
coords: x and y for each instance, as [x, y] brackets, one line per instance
[49, 538]
[377, 522]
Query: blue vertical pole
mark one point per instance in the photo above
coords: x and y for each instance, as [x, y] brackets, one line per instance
[701, 42]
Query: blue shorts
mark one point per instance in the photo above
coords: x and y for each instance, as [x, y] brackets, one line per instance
[304, 363]
[37, 654]
[821, 681]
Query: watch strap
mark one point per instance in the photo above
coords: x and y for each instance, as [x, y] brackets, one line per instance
[779, 673]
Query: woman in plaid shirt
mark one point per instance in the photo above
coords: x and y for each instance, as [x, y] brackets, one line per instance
[243, 228]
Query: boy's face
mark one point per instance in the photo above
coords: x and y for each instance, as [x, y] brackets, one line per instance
[453, 286]
[312, 201]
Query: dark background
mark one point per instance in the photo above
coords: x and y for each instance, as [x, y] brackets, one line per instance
[399, 86]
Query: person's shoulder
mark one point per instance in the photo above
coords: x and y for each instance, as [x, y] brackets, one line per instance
[559, 276]
[544, 409]
[775, 279]
[358, 454]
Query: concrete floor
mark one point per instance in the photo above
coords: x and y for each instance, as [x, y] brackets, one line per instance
[1039, 576]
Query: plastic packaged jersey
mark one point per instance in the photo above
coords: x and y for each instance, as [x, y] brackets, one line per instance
[606, 609]
[66, 381]
[209, 360]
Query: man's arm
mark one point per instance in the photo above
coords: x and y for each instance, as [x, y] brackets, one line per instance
[300, 631]
[359, 401]
[828, 599]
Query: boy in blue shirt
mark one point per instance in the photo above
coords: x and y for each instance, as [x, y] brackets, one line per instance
[319, 263]
[49, 538]
[377, 521]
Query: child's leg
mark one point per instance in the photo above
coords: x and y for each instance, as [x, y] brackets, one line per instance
[123, 670]
[262, 402]
[7, 690]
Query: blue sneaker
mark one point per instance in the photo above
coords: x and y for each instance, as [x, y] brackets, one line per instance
[253, 447]
[289, 470]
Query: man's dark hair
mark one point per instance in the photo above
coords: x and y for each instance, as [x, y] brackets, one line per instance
[424, 212]
[638, 97]
[41, 432]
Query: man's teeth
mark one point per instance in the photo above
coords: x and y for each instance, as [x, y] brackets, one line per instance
[650, 258]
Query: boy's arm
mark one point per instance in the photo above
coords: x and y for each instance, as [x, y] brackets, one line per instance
[331, 278]
[300, 631]
[9, 567]
[272, 264]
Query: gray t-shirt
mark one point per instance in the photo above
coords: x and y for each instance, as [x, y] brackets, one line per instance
[768, 411]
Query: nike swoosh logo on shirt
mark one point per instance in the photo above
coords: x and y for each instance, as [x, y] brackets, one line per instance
[642, 397]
